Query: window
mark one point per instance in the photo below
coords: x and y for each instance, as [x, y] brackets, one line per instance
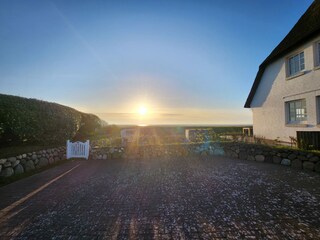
[296, 64]
[317, 54]
[318, 109]
[297, 111]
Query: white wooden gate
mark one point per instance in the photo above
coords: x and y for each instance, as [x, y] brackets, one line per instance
[78, 149]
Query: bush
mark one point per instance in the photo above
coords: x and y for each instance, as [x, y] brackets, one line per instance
[33, 121]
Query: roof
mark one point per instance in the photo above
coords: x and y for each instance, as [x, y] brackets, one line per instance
[305, 29]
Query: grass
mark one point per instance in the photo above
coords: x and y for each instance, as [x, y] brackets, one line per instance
[14, 178]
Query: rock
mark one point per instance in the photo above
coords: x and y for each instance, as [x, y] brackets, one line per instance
[268, 159]
[104, 157]
[308, 165]
[51, 160]
[12, 159]
[23, 161]
[56, 159]
[7, 164]
[276, 159]
[286, 162]
[314, 159]
[15, 163]
[29, 166]
[3, 160]
[297, 163]
[317, 167]
[7, 172]
[43, 162]
[233, 155]
[18, 169]
[310, 155]
[259, 158]
[251, 158]
[36, 161]
[0, 168]
[243, 155]
[218, 152]
[34, 157]
[19, 157]
[292, 156]
[204, 153]
[302, 157]
[24, 155]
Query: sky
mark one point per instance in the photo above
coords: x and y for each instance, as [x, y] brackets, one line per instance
[142, 62]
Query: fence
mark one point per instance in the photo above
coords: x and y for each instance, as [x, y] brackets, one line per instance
[78, 149]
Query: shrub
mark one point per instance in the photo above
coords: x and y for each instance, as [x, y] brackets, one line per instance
[34, 121]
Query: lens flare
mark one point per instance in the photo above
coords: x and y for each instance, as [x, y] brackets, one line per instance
[142, 110]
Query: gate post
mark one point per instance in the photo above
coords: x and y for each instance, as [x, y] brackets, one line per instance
[68, 149]
[87, 149]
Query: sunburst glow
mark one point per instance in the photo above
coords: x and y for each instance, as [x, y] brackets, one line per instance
[142, 110]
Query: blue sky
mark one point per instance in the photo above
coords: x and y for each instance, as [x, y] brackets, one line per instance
[185, 61]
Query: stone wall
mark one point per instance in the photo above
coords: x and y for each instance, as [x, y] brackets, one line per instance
[252, 152]
[289, 157]
[30, 161]
[172, 150]
[104, 153]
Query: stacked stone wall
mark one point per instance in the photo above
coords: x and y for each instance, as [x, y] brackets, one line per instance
[147, 151]
[260, 153]
[30, 161]
[251, 152]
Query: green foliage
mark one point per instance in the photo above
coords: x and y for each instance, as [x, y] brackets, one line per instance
[12, 151]
[305, 145]
[29, 120]
[110, 131]
[228, 130]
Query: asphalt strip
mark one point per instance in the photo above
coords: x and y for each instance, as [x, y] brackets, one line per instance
[6, 210]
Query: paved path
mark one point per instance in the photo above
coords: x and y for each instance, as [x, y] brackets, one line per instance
[183, 198]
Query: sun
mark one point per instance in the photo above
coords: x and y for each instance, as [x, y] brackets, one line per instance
[142, 110]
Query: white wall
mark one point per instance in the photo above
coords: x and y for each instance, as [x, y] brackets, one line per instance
[268, 104]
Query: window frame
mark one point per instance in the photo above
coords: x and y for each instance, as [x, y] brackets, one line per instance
[291, 62]
[317, 54]
[318, 109]
[300, 117]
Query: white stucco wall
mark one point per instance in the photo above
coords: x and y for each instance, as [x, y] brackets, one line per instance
[268, 104]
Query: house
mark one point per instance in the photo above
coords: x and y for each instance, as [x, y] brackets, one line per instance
[199, 134]
[138, 135]
[247, 131]
[285, 96]
[129, 135]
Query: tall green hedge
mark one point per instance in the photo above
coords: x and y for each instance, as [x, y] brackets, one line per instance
[35, 121]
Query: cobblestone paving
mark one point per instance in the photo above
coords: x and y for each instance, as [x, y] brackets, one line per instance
[182, 198]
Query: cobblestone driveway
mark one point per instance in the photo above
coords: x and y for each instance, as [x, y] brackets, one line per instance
[183, 198]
